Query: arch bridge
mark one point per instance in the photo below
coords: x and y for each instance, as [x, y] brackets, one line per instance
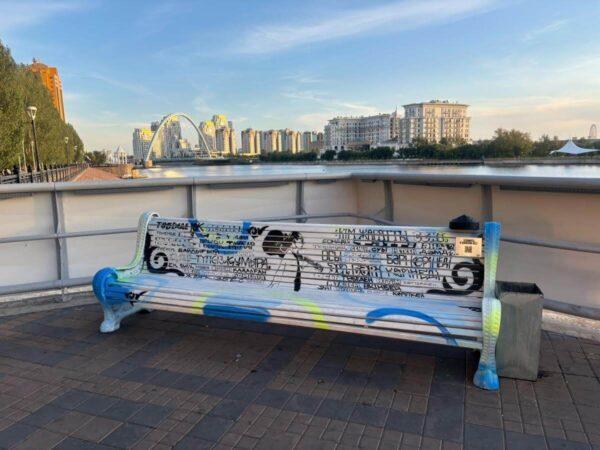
[202, 144]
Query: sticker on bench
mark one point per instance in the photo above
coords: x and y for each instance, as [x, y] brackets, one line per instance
[470, 247]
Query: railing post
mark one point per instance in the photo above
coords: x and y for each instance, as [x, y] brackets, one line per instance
[300, 209]
[389, 200]
[487, 203]
[62, 260]
[191, 200]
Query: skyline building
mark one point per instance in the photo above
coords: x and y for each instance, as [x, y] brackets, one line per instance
[141, 142]
[250, 142]
[345, 133]
[434, 121]
[51, 80]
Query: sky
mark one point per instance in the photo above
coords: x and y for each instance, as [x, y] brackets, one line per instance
[533, 65]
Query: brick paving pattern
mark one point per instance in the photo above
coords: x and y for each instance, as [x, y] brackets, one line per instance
[187, 382]
[93, 174]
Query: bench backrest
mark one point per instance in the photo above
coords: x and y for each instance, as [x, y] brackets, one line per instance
[406, 261]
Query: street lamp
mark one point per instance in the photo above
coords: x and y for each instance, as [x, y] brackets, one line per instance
[67, 148]
[31, 112]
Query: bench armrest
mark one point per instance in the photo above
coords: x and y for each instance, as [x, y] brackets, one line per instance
[135, 266]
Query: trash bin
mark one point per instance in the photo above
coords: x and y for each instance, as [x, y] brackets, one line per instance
[518, 346]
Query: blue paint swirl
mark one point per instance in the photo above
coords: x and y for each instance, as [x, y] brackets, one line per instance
[372, 316]
[223, 249]
[255, 314]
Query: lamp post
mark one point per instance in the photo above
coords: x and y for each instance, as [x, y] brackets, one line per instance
[67, 148]
[31, 112]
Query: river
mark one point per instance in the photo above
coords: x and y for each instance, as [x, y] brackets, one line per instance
[528, 170]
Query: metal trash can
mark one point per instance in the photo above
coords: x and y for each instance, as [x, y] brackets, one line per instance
[518, 347]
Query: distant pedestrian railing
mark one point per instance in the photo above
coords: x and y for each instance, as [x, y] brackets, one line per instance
[49, 174]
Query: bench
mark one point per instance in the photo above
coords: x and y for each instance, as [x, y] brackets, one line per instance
[424, 284]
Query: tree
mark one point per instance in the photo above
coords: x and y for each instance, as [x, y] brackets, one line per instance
[20, 88]
[328, 155]
[513, 143]
[96, 158]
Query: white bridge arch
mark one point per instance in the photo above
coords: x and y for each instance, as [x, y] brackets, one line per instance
[166, 119]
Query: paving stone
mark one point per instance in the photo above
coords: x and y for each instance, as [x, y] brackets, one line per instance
[126, 435]
[44, 415]
[275, 398]
[277, 441]
[211, 428]
[335, 409]
[122, 409]
[189, 382]
[15, 433]
[369, 415]
[444, 419]
[96, 404]
[303, 403]
[480, 415]
[71, 443]
[41, 439]
[483, 438]
[229, 409]
[69, 423]
[71, 399]
[220, 388]
[150, 415]
[193, 443]
[405, 421]
[96, 429]
[519, 441]
[562, 444]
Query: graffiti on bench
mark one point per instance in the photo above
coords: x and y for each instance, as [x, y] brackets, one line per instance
[410, 262]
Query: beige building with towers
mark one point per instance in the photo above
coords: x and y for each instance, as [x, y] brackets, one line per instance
[250, 142]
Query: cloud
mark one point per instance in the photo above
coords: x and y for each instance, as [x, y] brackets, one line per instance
[27, 13]
[563, 116]
[130, 87]
[333, 105]
[201, 106]
[395, 16]
[548, 28]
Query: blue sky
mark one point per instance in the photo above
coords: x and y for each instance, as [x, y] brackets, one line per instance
[528, 64]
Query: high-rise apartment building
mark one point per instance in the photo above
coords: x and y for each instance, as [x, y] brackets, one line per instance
[270, 141]
[51, 80]
[290, 141]
[434, 121]
[141, 142]
[251, 142]
[344, 133]
[225, 141]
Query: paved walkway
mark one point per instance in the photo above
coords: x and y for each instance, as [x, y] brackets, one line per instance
[93, 174]
[168, 380]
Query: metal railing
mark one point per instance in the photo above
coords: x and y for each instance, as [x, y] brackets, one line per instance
[385, 216]
[47, 175]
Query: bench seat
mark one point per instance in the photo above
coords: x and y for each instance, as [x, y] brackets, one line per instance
[434, 320]
[424, 284]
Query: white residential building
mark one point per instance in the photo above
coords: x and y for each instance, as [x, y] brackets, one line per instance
[344, 133]
[434, 121]
[141, 142]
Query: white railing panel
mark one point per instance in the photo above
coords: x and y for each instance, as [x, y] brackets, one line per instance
[571, 277]
[89, 254]
[435, 206]
[554, 216]
[114, 209]
[321, 198]
[370, 198]
[245, 202]
[26, 214]
[28, 262]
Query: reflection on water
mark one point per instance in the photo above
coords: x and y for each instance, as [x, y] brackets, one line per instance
[530, 170]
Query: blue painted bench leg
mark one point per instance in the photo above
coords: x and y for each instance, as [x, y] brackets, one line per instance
[115, 309]
[486, 376]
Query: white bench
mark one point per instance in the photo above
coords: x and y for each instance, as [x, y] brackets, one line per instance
[424, 284]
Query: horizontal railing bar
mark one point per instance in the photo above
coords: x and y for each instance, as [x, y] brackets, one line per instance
[71, 234]
[570, 246]
[45, 285]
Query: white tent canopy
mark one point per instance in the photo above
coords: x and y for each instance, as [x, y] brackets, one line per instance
[572, 149]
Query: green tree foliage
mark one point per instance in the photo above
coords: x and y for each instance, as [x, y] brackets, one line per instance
[20, 88]
[96, 158]
[289, 157]
[328, 155]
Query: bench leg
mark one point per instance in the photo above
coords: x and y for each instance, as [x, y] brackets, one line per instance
[115, 307]
[113, 314]
[486, 376]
